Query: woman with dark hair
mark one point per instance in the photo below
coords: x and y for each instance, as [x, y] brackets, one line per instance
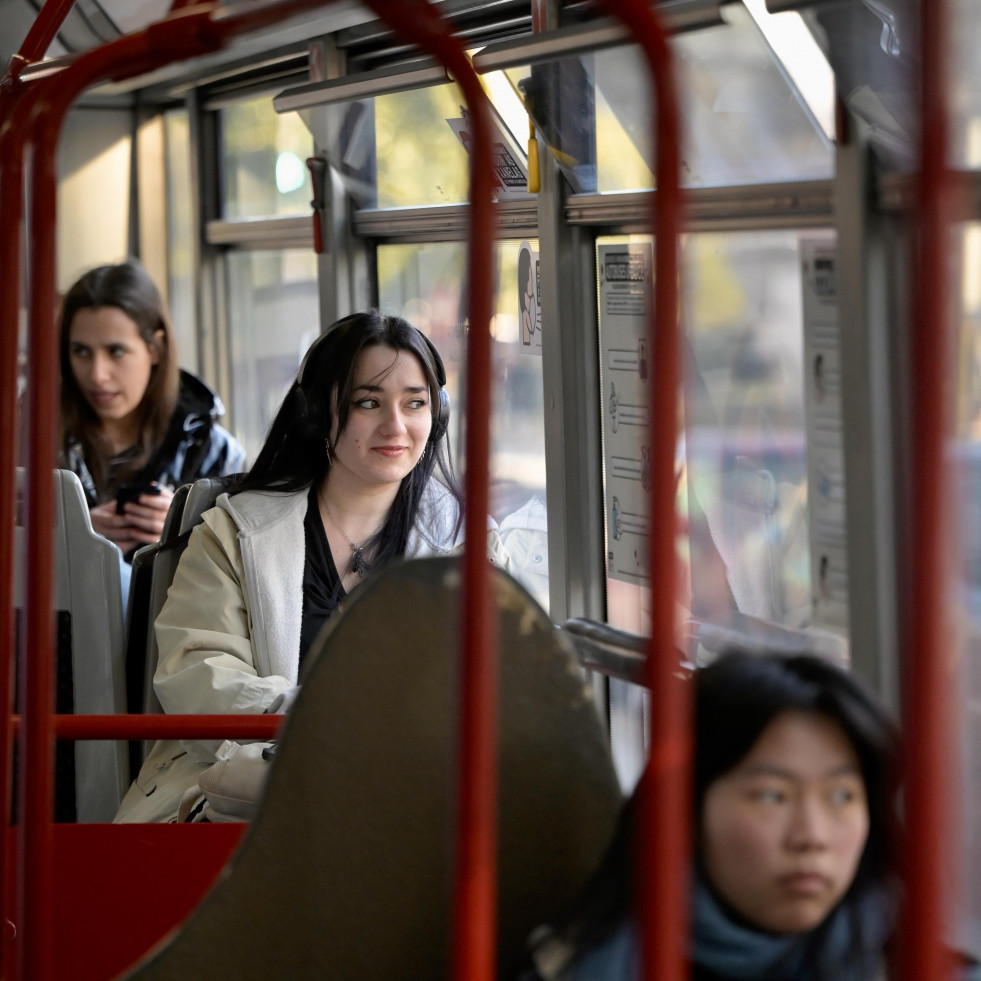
[354, 473]
[133, 426]
[795, 780]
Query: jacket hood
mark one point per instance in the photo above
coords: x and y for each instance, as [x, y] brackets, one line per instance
[197, 399]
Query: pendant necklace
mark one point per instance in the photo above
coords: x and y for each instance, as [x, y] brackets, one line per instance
[358, 562]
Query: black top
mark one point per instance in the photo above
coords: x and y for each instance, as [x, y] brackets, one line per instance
[322, 588]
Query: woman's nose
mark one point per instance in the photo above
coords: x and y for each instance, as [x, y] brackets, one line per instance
[809, 825]
[100, 368]
[393, 421]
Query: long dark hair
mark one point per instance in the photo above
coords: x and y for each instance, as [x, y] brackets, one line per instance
[736, 698]
[294, 455]
[128, 287]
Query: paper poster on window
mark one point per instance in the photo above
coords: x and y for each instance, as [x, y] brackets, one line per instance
[626, 288]
[825, 456]
[529, 301]
[510, 170]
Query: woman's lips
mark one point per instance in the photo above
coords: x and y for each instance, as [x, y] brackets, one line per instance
[392, 451]
[805, 883]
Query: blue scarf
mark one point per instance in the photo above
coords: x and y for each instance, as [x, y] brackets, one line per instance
[846, 947]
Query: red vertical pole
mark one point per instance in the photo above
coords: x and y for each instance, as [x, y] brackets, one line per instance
[13, 111]
[11, 230]
[928, 690]
[475, 886]
[664, 838]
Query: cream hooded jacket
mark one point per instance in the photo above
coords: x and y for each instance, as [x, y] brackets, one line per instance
[229, 632]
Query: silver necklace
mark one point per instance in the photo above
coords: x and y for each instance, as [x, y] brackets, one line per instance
[358, 562]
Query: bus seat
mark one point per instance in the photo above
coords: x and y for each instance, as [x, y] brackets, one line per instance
[153, 571]
[90, 666]
[346, 870]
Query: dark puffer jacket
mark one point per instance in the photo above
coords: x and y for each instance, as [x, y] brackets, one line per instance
[195, 445]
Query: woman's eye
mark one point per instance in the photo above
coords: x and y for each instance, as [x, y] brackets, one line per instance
[116, 351]
[844, 795]
[369, 403]
[418, 403]
[769, 795]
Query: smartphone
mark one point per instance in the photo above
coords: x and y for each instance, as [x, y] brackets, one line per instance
[132, 492]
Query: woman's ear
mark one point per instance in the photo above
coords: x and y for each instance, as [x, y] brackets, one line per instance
[158, 345]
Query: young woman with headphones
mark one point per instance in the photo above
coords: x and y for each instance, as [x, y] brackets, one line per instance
[354, 473]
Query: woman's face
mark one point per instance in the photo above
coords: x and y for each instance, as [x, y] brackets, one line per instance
[783, 831]
[111, 362]
[388, 421]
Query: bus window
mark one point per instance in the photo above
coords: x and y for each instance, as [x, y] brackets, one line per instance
[424, 283]
[263, 156]
[274, 312]
[967, 536]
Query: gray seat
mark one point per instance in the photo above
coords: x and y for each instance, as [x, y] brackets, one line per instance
[91, 664]
[153, 571]
[346, 871]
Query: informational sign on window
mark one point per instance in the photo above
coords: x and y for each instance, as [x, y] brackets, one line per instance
[529, 300]
[626, 288]
[825, 457]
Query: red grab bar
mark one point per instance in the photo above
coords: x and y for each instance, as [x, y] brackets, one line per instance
[475, 883]
[181, 36]
[664, 839]
[927, 684]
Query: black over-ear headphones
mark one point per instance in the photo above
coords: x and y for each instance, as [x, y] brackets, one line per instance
[442, 420]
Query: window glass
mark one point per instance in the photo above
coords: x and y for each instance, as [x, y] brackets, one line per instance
[421, 138]
[967, 488]
[263, 161]
[180, 236]
[424, 284]
[741, 464]
[420, 158]
[744, 123]
[274, 316]
[964, 81]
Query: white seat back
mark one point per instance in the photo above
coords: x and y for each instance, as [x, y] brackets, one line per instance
[88, 596]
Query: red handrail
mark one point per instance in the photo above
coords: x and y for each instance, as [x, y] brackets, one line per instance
[664, 840]
[930, 752]
[475, 883]
[50, 18]
[130, 55]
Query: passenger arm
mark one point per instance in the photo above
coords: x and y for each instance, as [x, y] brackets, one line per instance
[204, 634]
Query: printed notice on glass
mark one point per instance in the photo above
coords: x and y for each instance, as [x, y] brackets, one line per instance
[626, 290]
[825, 456]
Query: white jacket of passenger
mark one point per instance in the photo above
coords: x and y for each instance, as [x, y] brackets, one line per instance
[229, 632]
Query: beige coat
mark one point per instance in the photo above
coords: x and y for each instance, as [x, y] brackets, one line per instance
[229, 632]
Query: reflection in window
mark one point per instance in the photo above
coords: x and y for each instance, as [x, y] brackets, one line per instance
[263, 160]
[274, 313]
[424, 284]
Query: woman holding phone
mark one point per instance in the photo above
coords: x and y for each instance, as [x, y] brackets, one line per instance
[133, 426]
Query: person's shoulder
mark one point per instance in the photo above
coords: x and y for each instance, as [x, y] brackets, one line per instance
[195, 398]
[256, 510]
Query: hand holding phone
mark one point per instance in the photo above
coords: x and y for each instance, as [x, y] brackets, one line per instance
[132, 492]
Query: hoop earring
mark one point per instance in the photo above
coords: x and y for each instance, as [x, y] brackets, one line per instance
[327, 448]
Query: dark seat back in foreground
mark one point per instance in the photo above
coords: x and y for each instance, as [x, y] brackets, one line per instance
[91, 776]
[346, 872]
